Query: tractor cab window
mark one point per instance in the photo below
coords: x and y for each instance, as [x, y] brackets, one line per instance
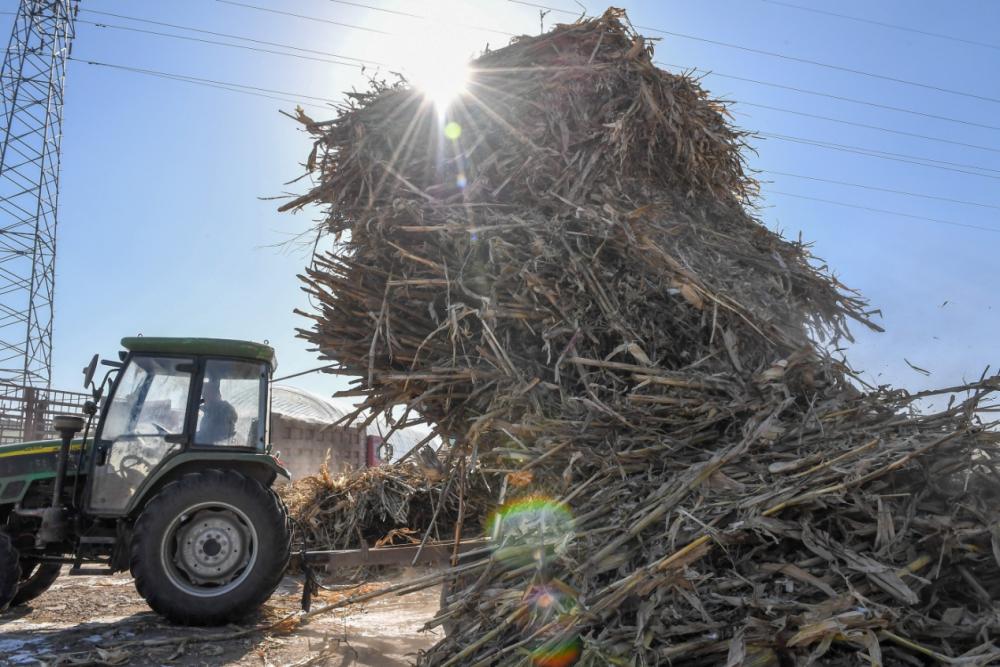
[151, 398]
[231, 410]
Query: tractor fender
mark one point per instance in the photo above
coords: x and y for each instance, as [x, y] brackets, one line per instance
[263, 468]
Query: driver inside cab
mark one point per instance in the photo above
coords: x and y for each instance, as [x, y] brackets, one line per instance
[217, 422]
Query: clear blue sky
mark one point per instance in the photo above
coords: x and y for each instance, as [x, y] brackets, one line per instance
[163, 232]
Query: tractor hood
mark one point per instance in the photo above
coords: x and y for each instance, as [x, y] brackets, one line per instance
[24, 462]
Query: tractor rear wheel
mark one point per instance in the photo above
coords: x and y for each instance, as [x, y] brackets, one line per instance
[36, 578]
[10, 571]
[210, 548]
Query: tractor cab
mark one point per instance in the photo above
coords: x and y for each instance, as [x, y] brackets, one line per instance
[175, 396]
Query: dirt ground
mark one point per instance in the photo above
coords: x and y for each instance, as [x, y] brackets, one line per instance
[97, 620]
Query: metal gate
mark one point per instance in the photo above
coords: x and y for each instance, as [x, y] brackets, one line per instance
[26, 412]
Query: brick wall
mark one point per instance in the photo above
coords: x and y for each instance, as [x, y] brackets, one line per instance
[304, 446]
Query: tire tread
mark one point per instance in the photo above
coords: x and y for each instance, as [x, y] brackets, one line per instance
[10, 571]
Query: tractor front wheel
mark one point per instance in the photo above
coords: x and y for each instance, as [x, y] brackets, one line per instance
[10, 571]
[209, 548]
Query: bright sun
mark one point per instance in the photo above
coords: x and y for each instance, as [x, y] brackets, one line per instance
[435, 59]
[440, 74]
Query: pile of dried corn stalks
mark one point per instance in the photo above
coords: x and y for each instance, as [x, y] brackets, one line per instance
[377, 506]
[568, 281]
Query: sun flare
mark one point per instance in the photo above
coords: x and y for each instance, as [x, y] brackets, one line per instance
[442, 80]
[435, 57]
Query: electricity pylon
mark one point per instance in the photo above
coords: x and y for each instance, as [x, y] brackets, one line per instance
[31, 81]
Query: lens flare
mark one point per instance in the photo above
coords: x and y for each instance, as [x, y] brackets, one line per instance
[552, 607]
[562, 654]
[452, 130]
[531, 517]
[528, 529]
[549, 602]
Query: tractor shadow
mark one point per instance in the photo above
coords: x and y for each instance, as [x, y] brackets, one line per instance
[142, 638]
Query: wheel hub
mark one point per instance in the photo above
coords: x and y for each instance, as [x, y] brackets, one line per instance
[212, 547]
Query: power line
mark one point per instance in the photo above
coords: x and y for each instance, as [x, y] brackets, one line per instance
[212, 83]
[184, 37]
[766, 83]
[381, 9]
[831, 96]
[880, 189]
[870, 127]
[817, 63]
[776, 85]
[785, 56]
[359, 62]
[938, 221]
[917, 160]
[415, 16]
[893, 26]
[242, 37]
[215, 43]
[256, 91]
[557, 10]
[291, 97]
[885, 155]
[363, 6]
[308, 18]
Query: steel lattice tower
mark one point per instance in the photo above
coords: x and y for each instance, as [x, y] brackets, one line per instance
[31, 79]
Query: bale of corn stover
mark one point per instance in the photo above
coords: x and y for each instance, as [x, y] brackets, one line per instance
[566, 276]
[372, 507]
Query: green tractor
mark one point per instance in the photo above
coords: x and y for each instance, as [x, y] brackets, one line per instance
[173, 483]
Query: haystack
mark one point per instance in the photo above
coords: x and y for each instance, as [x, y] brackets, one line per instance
[391, 504]
[565, 274]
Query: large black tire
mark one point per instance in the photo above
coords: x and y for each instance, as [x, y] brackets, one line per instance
[10, 571]
[210, 548]
[36, 578]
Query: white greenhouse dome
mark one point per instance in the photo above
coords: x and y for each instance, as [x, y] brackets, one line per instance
[301, 405]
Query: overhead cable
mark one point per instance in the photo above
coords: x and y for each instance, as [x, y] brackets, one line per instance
[842, 98]
[290, 97]
[938, 221]
[879, 189]
[920, 161]
[785, 56]
[883, 24]
[358, 62]
[870, 127]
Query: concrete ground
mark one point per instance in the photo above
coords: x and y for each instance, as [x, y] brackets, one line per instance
[101, 620]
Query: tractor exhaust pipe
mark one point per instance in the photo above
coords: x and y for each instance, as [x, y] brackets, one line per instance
[53, 528]
[67, 426]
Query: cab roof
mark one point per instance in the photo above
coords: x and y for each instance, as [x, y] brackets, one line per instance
[221, 347]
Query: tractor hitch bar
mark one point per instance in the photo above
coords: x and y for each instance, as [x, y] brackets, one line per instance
[429, 553]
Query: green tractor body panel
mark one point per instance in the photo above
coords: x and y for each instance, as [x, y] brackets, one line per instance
[213, 347]
[23, 463]
[204, 458]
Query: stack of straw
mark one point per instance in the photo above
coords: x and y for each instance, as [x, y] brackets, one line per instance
[378, 506]
[566, 277]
